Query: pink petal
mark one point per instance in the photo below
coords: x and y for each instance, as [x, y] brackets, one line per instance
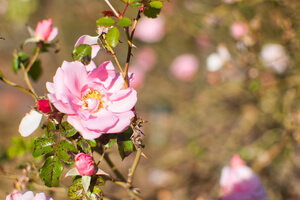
[123, 123]
[53, 34]
[28, 196]
[122, 101]
[103, 121]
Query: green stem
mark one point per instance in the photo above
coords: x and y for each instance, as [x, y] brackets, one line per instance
[32, 60]
[27, 91]
[114, 168]
[28, 81]
[134, 166]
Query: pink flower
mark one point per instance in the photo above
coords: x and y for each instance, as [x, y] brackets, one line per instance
[139, 77]
[145, 58]
[150, 30]
[96, 101]
[238, 30]
[85, 164]
[239, 182]
[45, 31]
[27, 196]
[185, 67]
[44, 105]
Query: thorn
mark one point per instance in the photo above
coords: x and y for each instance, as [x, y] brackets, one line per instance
[144, 155]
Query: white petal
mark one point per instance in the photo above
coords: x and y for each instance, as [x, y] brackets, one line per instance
[30, 123]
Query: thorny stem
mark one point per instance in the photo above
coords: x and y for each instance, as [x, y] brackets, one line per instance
[27, 91]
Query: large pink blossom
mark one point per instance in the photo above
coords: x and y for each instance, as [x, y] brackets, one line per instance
[45, 31]
[27, 196]
[96, 101]
[239, 182]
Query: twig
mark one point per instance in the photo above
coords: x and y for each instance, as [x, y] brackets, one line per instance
[112, 8]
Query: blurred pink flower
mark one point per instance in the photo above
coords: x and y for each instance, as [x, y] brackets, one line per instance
[145, 58]
[239, 182]
[138, 77]
[27, 196]
[239, 30]
[85, 164]
[45, 31]
[150, 30]
[96, 101]
[44, 105]
[184, 67]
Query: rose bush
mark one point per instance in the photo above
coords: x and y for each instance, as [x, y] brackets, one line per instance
[239, 182]
[85, 164]
[95, 101]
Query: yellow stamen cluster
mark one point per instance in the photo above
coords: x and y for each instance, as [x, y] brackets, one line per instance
[93, 94]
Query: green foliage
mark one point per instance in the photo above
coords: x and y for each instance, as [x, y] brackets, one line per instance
[130, 1]
[84, 145]
[82, 53]
[105, 21]
[156, 4]
[125, 144]
[36, 70]
[151, 12]
[66, 151]
[76, 190]
[20, 59]
[67, 130]
[50, 129]
[17, 148]
[113, 36]
[125, 21]
[51, 171]
[42, 146]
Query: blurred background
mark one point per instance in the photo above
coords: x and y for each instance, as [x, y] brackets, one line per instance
[214, 78]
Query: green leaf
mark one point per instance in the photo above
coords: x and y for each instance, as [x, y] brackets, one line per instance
[50, 129]
[76, 190]
[66, 151]
[100, 181]
[130, 1]
[108, 140]
[36, 70]
[156, 4]
[96, 194]
[125, 144]
[67, 130]
[42, 146]
[82, 53]
[137, 4]
[51, 171]
[17, 148]
[18, 59]
[124, 22]
[113, 36]
[105, 21]
[151, 12]
[84, 145]
[93, 143]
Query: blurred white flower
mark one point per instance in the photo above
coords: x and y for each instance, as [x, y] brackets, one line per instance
[275, 57]
[216, 60]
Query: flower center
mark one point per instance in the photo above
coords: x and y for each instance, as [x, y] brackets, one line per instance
[92, 101]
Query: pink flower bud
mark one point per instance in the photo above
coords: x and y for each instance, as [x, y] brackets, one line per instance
[45, 31]
[85, 164]
[44, 105]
